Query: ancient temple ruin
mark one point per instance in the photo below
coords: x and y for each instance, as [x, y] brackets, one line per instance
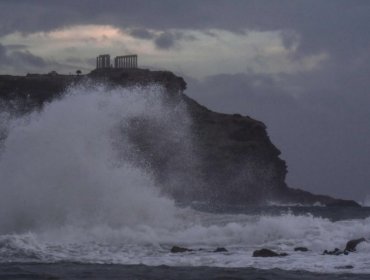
[103, 61]
[120, 62]
[125, 61]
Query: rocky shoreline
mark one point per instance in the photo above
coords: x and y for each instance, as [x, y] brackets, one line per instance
[268, 253]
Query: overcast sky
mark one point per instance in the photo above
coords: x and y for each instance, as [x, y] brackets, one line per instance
[302, 67]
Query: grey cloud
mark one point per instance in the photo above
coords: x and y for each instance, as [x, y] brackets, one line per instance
[75, 60]
[16, 47]
[165, 41]
[27, 58]
[168, 40]
[3, 55]
[141, 33]
[339, 27]
[17, 61]
[335, 26]
[8, 57]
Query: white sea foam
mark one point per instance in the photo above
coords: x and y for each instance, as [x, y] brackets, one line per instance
[151, 245]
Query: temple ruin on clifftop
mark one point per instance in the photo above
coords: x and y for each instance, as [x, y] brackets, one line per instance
[120, 62]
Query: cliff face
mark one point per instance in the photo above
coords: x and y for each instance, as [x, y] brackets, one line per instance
[236, 163]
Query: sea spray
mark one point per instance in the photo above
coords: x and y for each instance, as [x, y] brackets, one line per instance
[60, 165]
[366, 201]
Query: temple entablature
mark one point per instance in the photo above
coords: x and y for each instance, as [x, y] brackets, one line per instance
[120, 62]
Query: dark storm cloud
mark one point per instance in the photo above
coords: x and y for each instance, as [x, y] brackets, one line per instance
[13, 58]
[141, 33]
[8, 57]
[168, 40]
[28, 58]
[165, 41]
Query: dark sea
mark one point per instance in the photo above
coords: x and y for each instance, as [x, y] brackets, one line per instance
[74, 206]
[142, 272]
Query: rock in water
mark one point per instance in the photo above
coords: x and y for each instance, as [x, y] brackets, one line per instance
[350, 247]
[344, 267]
[300, 249]
[335, 252]
[265, 253]
[220, 249]
[177, 249]
[352, 244]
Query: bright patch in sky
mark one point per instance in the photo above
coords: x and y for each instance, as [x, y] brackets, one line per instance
[193, 53]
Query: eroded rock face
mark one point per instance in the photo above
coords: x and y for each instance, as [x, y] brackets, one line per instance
[237, 157]
[352, 244]
[232, 159]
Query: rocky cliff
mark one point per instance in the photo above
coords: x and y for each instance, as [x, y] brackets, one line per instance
[236, 163]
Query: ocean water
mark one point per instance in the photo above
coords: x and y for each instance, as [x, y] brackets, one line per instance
[75, 206]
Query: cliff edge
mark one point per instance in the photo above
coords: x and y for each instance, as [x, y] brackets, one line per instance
[236, 161]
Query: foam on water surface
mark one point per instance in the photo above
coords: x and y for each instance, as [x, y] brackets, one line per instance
[151, 245]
